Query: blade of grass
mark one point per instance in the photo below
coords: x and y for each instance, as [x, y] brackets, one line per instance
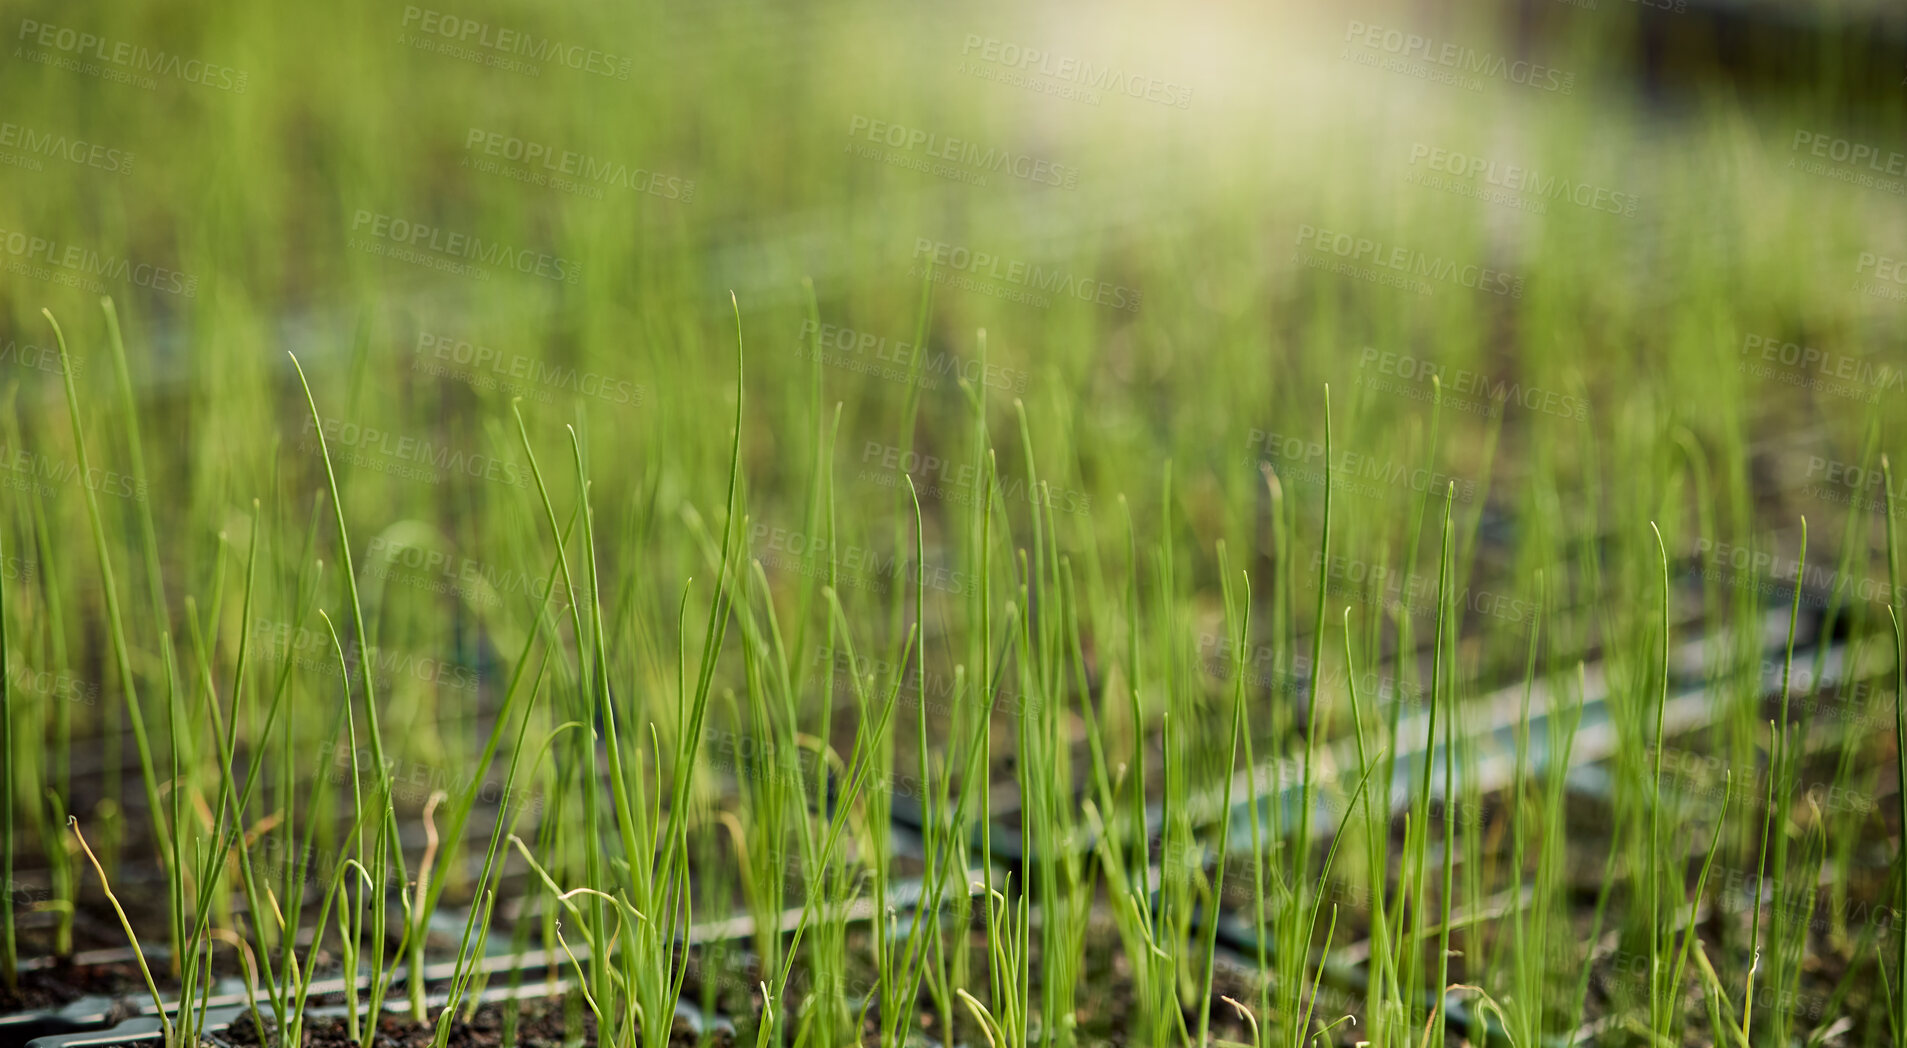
[109, 590]
[367, 662]
[9, 950]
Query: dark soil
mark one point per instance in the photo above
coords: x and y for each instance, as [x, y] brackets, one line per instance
[64, 982]
[538, 1024]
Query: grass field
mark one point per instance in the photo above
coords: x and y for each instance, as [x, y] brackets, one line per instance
[741, 523]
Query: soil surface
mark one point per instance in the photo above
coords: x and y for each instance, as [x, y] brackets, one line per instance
[537, 1024]
[64, 982]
